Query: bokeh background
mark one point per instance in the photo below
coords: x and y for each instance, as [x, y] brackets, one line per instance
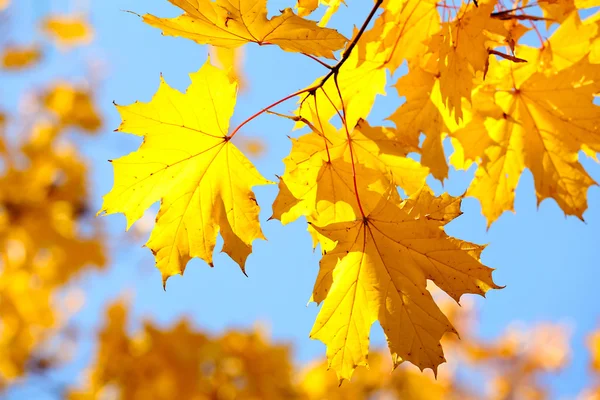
[548, 262]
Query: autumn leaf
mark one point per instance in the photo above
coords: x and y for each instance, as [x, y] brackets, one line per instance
[306, 7]
[382, 263]
[323, 187]
[73, 106]
[20, 57]
[321, 170]
[568, 44]
[67, 30]
[405, 28]
[463, 47]
[222, 23]
[424, 204]
[188, 163]
[424, 112]
[545, 121]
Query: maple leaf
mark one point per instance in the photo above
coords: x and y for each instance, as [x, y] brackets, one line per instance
[568, 44]
[424, 204]
[223, 23]
[545, 121]
[381, 265]
[463, 46]
[424, 112]
[557, 11]
[405, 27]
[188, 163]
[321, 170]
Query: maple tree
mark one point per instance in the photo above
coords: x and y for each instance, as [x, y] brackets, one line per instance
[506, 106]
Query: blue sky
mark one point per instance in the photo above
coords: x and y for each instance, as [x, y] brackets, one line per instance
[548, 262]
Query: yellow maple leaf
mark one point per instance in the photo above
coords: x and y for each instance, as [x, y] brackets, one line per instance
[568, 44]
[463, 46]
[188, 163]
[424, 112]
[321, 170]
[405, 28]
[556, 11]
[321, 186]
[20, 57]
[221, 23]
[424, 204]
[385, 149]
[545, 121]
[382, 262]
[68, 30]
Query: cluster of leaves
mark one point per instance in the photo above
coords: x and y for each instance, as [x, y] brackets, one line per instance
[166, 363]
[505, 105]
[47, 235]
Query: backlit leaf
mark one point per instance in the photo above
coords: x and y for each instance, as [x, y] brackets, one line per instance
[188, 163]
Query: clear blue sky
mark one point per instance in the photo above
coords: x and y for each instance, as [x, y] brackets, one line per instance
[548, 263]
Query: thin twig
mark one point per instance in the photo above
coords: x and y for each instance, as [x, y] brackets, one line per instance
[348, 51]
[267, 108]
[317, 60]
